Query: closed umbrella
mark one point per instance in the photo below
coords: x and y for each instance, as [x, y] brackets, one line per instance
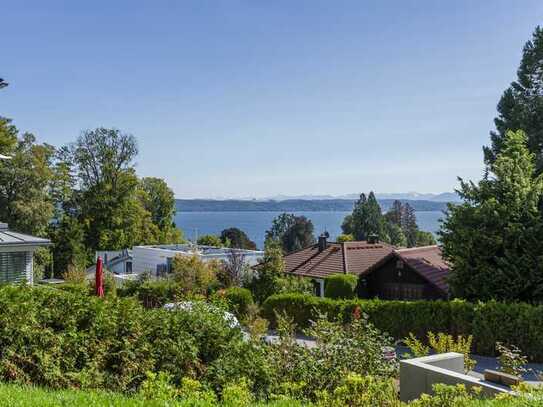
[99, 277]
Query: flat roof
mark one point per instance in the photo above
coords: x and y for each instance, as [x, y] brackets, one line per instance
[8, 237]
[200, 249]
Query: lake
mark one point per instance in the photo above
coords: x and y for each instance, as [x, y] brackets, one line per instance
[256, 223]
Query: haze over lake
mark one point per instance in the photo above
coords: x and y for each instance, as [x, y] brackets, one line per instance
[255, 223]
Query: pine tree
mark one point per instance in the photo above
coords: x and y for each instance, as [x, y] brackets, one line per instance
[493, 239]
[521, 105]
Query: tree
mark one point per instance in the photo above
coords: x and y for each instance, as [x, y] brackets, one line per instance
[408, 223]
[193, 275]
[366, 219]
[493, 239]
[69, 252]
[237, 239]
[24, 182]
[280, 225]
[266, 279]
[298, 236]
[521, 105]
[344, 238]
[291, 232]
[425, 239]
[210, 240]
[158, 199]
[233, 269]
[395, 235]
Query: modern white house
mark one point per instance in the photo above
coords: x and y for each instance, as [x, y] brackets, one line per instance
[156, 260]
[16, 255]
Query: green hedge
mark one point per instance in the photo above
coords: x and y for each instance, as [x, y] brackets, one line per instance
[340, 286]
[61, 339]
[517, 323]
[239, 300]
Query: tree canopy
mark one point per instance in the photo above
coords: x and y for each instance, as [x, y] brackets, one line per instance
[237, 239]
[521, 105]
[291, 232]
[493, 239]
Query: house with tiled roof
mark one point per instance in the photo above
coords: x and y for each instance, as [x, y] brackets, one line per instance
[384, 271]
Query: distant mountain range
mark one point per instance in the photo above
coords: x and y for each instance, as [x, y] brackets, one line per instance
[407, 196]
[288, 204]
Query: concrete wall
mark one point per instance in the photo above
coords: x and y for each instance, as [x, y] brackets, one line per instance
[417, 376]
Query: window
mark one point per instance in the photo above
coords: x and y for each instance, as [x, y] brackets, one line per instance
[13, 266]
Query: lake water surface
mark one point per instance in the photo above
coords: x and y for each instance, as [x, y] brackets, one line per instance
[255, 224]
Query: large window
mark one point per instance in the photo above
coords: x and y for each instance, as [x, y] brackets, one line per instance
[13, 266]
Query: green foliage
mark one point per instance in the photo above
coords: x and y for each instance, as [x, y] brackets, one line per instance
[69, 252]
[425, 239]
[445, 396]
[511, 359]
[291, 231]
[266, 278]
[237, 239]
[239, 300]
[157, 386]
[340, 286]
[366, 219]
[210, 240]
[488, 323]
[152, 293]
[193, 275]
[443, 343]
[60, 339]
[24, 200]
[490, 239]
[357, 390]
[295, 284]
[521, 105]
[345, 238]
[158, 199]
[417, 348]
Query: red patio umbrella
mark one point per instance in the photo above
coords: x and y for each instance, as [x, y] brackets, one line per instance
[99, 278]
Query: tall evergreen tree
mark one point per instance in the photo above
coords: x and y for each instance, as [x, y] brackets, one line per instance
[521, 105]
[367, 218]
[493, 240]
[408, 224]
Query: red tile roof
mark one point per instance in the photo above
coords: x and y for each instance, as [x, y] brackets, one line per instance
[428, 262]
[363, 257]
[349, 257]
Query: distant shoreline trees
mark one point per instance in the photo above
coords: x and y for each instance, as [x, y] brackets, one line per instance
[398, 226]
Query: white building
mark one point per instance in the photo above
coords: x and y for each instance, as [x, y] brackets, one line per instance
[157, 259]
[16, 255]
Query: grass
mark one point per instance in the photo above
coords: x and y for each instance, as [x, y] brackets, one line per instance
[29, 396]
[13, 395]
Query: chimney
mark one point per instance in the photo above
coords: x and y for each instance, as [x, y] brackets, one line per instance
[322, 242]
[373, 238]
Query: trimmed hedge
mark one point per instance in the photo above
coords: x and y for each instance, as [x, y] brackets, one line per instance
[517, 324]
[340, 286]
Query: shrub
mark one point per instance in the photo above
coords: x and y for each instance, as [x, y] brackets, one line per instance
[340, 286]
[152, 293]
[511, 359]
[488, 323]
[239, 300]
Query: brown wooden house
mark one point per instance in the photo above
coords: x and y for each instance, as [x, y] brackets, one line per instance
[384, 271]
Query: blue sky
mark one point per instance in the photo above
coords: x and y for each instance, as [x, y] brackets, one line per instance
[259, 98]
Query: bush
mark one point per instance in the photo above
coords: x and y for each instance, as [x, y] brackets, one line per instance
[152, 293]
[340, 286]
[239, 300]
[519, 324]
[60, 339]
